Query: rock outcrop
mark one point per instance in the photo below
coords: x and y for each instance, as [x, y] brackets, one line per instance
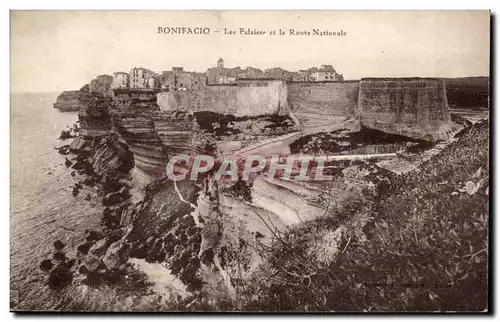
[130, 98]
[111, 155]
[69, 101]
[138, 130]
[95, 116]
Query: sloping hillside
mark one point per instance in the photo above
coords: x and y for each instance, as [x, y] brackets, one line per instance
[417, 242]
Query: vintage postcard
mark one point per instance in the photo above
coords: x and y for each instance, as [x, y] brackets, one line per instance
[255, 161]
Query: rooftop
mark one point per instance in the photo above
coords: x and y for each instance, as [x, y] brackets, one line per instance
[327, 68]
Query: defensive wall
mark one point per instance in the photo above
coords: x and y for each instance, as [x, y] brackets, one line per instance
[414, 107]
[265, 98]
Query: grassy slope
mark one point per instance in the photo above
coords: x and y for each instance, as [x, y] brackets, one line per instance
[426, 249]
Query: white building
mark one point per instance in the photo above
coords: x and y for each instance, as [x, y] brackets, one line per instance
[326, 73]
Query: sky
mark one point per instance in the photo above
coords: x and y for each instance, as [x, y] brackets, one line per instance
[52, 51]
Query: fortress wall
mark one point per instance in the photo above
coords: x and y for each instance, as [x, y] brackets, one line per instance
[322, 106]
[333, 98]
[414, 107]
[261, 99]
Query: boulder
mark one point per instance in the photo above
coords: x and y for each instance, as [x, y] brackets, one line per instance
[68, 163]
[116, 255]
[91, 263]
[64, 150]
[94, 235]
[99, 248]
[59, 256]
[110, 218]
[66, 135]
[84, 249]
[112, 198]
[78, 143]
[60, 276]
[59, 245]
[138, 250]
[89, 181]
[46, 265]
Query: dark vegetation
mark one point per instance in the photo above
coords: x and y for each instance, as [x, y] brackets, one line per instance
[224, 124]
[426, 248]
[345, 141]
[468, 92]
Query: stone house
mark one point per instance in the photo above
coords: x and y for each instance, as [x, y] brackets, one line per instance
[120, 80]
[326, 73]
[178, 80]
[143, 78]
[279, 73]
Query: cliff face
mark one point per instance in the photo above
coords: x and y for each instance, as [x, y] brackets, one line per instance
[135, 99]
[413, 107]
[165, 231]
[111, 155]
[69, 101]
[94, 116]
[138, 130]
[177, 132]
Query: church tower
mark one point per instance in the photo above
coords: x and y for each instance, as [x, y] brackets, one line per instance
[220, 63]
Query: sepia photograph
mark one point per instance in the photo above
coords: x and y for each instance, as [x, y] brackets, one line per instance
[250, 161]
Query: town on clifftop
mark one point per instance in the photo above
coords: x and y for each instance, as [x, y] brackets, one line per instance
[179, 79]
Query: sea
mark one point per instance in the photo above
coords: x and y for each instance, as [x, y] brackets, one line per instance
[42, 207]
[43, 210]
